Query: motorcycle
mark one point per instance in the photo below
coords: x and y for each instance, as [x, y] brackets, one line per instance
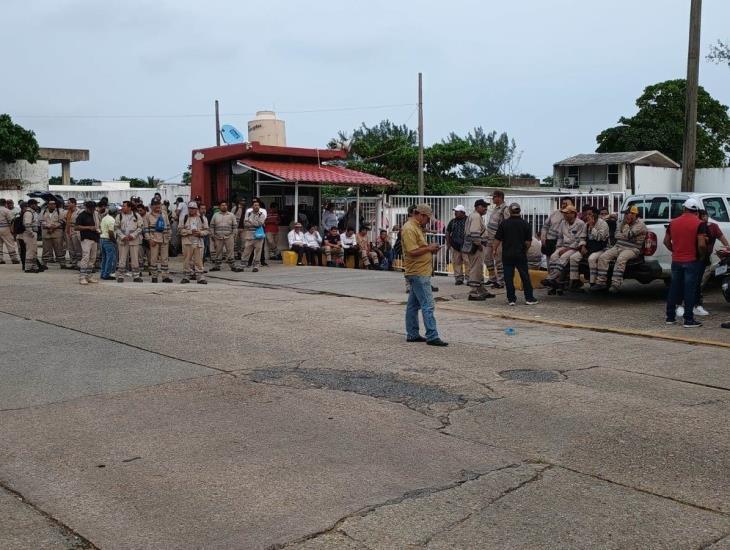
[723, 270]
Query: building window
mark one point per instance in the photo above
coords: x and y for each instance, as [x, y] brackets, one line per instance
[573, 176]
[613, 174]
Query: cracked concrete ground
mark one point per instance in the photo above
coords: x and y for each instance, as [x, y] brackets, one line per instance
[272, 416]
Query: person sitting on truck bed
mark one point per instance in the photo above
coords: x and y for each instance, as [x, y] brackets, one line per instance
[596, 243]
[630, 237]
[571, 237]
[549, 232]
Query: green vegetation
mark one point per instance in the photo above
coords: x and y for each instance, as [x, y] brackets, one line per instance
[16, 143]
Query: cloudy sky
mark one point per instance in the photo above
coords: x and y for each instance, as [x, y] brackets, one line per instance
[134, 81]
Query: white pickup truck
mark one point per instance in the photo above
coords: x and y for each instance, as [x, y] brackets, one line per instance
[657, 210]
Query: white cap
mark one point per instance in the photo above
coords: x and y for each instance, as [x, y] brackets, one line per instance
[192, 204]
[691, 204]
[460, 208]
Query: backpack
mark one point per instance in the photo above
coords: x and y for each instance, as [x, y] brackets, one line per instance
[17, 227]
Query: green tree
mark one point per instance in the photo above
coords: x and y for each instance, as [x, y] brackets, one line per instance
[451, 165]
[659, 124]
[720, 53]
[138, 182]
[187, 177]
[16, 143]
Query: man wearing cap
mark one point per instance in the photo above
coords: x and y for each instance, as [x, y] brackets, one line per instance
[157, 233]
[685, 238]
[513, 239]
[223, 229]
[73, 238]
[549, 232]
[418, 257]
[128, 228]
[87, 225]
[31, 222]
[455, 240]
[475, 232]
[52, 224]
[329, 218]
[630, 238]
[572, 234]
[296, 242]
[598, 235]
[193, 229]
[493, 260]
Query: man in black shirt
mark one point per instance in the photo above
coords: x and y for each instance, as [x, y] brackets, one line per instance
[514, 236]
[455, 240]
[333, 248]
[88, 227]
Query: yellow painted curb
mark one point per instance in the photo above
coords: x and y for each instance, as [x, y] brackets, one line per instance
[594, 328]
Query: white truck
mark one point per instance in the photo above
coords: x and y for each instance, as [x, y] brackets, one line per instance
[657, 210]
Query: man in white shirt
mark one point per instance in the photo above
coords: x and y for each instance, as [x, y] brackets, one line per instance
[313, 240]
[297, 243]
[349, 245]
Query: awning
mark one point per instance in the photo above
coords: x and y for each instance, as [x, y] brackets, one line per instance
[315, 174]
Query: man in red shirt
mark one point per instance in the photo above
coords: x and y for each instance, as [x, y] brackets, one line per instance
[271, 227]
[685, 238]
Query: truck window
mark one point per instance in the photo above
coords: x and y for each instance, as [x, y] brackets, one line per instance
[658, 209]
[716, 209]
[638, 203]
[677, 207]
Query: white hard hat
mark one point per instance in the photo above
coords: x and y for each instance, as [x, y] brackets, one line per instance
[192, 204]
[460, 208]
[691, 204]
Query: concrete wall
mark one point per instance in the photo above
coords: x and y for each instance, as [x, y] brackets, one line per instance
[117, 196]
[20, 177]
[669, 180]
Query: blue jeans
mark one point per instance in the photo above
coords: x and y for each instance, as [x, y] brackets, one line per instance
[509, 279]
[421, 298]
[108, 258]
[683, 287]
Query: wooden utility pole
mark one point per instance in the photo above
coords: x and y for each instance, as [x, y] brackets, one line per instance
[689, 152]
[421, 187]
[217, 125]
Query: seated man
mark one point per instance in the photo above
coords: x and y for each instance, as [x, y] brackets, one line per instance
[349, 245]
[534, 255]
[368, 255]
[571, 237]
[598, 234]
[630, 238]
[313, 240]
[296, 242]
[384, 250]
[333, 248]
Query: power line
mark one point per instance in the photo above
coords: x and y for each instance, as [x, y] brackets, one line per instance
[212, 115]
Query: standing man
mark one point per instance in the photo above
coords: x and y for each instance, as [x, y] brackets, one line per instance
[630, 238]
[193, 228]
[73, 238]
[686, 240]
[30, 236]
[455, 241]
[223, 228]
[475, 233]
[6, 235]
[273, 220]
[52, 224]
[157, 233]
[551, 228]
[88, 228]
[514, 239]
[107, 239]
[252, 221]
[240, 211]
[418, 258]
[572, 235]
[329, 218]
[128, 229]
[491, 258]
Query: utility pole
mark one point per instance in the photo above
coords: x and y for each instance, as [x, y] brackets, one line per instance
[689, 152]
[217, 125]
[421, 187]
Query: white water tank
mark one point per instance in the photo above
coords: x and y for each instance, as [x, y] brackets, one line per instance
[267, 129]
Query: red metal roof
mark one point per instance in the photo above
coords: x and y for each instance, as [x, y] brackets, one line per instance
[315, 173]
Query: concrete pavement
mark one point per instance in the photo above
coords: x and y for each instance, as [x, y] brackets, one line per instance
[284, 409]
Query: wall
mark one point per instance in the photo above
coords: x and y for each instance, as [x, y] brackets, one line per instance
[20, 177]
[669, 180]
[117, 196]
[712, 180]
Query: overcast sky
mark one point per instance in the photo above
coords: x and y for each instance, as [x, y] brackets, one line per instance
[552, 74]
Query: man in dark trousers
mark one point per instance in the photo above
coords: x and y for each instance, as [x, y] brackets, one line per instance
[514, 237]
[685, 238]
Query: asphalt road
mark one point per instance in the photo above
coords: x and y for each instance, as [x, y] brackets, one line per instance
[284, 409]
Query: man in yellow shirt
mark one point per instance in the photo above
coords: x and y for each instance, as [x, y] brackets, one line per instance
[418, 257]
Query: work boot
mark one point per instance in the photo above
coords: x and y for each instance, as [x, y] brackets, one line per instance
[120, 279]
[202, 282]
[575, 284]
[166, 280]
[459, 282]
[155, 279]
[215, 268]
[16, 261]
[137, 280]
[184, 281]
[2, 262]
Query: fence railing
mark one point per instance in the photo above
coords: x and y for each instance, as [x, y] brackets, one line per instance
[391, 213]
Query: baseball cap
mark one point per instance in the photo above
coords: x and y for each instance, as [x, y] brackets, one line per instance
[691, 204]
[514, 208]
[480, 202]
[569, 208]
[459, 208]
[192, 204]
[632, 210]
[424, 209]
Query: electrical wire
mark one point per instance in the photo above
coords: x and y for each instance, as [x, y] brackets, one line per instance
[212, 115]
